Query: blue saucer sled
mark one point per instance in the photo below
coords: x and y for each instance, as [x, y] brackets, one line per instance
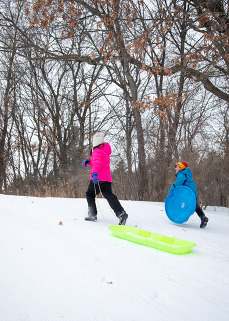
[180, 204]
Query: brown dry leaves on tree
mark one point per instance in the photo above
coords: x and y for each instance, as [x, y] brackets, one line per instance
[110, 14]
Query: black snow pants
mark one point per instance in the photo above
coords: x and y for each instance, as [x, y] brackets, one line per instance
[199, 211]
[106, 190]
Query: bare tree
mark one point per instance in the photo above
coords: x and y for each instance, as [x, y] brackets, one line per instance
[8, 47]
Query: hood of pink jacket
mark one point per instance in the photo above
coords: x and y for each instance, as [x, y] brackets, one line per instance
[100, 162]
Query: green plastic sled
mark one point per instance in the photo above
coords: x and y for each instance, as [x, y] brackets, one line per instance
[158, 241]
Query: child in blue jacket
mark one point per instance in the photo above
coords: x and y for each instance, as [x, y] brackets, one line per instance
[184, 177]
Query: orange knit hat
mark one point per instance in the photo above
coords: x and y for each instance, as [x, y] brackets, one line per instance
[182, 165]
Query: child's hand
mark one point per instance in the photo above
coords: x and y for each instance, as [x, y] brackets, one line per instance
[95, 178]
[86, 162]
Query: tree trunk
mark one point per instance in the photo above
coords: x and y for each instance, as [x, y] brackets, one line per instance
[5, 122]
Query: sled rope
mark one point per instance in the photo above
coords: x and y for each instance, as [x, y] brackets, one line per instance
[106, 202]
[99, 206]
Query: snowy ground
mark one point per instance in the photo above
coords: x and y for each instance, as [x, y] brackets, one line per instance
[78, 271]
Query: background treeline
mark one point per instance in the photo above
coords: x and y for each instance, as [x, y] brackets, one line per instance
[151, 75]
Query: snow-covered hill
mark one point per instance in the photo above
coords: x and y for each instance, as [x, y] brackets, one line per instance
[56, 266]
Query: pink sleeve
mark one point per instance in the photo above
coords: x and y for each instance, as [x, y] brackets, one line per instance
[97, 160]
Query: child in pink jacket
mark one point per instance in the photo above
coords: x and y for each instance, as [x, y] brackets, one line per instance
[100, 180]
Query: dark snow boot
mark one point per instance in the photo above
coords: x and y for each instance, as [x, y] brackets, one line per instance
[204, 221]
[91, 218]
[122, 218]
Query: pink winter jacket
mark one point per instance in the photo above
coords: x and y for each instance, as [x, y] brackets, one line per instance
[100, 162]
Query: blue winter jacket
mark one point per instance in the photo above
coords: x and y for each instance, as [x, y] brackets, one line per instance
[185, 178]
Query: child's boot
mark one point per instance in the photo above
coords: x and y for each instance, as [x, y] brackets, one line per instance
[122, 218]
[91, 216]
[204, 221]
[203, 218]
